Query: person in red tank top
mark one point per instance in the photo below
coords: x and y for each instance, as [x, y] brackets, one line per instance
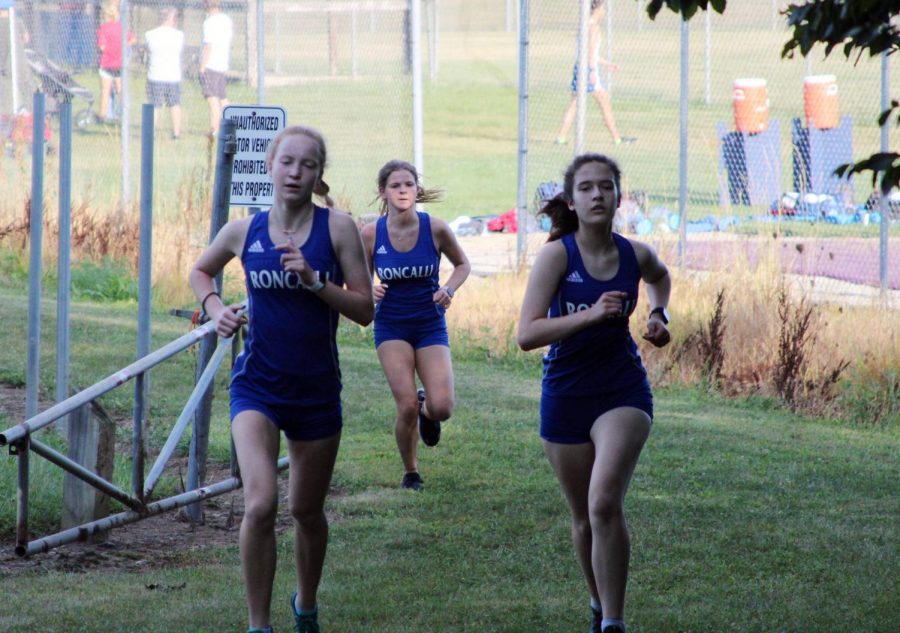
[109, 45]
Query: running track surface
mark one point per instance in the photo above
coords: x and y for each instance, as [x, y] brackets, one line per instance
[855, 260]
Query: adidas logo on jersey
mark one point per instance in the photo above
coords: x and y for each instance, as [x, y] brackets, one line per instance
[256, 247]
[574, 277]
[381, 250]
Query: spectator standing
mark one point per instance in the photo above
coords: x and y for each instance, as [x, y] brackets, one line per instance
[214, 60]
[109, 45]
[165, 44]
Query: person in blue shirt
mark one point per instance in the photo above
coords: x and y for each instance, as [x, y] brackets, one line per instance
[304, 267]
[596, 404]
[404, 247]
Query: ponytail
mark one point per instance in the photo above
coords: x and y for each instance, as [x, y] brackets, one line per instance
[322, 189]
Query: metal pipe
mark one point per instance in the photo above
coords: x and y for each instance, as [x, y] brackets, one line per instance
[145, 258]
[583, 76]
[64, 252]
[32, 424]
[260, 53]
[196, 395]
[521, 189]
[415, 32]
[683, 144]
[85, 475]
[83, 532]
[22, 479]
[126, 105]
[609, 46]
[35, 265]
[13, 60]
[885, 132]
[353, 69]
[707, 57]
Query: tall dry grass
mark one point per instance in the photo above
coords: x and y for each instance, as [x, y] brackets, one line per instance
[747, 330]
[112, 232]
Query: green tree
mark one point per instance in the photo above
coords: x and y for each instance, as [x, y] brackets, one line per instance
[857, 27]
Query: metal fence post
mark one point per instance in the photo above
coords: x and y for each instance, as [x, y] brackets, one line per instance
[521, 195]
[583, 75]
[885, 208]
[683, 145]
[415, 32]
[142, 380]
[260, 53]
[64, 254]
[227, 146]
[32, 374]
[126, 106]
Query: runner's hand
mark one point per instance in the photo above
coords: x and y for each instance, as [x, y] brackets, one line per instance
[609, 305]
[657, 333]
[442, 298]
[292, 260]
[227, 320]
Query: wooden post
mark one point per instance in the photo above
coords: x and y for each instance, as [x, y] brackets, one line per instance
[92, 435]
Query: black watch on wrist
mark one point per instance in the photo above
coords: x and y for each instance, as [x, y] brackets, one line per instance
[662, 312]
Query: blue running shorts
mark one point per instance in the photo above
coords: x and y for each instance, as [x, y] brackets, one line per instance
[300, 423]
[568, 419]
[417, 332]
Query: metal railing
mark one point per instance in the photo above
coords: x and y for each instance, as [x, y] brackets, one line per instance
[21, 443]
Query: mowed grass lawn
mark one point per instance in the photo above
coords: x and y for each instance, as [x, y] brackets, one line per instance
[744, 517]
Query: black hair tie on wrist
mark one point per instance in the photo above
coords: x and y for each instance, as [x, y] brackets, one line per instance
[203, 303]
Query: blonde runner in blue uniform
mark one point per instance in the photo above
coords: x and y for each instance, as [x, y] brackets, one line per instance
[304, 266]
[596, 405]
[404, 248]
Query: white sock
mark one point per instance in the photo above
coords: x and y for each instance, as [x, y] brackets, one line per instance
[610, 622]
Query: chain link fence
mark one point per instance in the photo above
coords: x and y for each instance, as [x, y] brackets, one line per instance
[342, 66]
[764, 133]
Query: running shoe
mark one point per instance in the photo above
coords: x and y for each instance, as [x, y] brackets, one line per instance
[267, 629]
[304, 622]
[596, 620]
[626, 140]
[429, 430]
[412, 481]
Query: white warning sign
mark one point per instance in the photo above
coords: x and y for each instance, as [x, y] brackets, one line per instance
[255, 127]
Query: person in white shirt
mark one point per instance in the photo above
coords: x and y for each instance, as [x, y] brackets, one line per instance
[165, 44]
[217, 34]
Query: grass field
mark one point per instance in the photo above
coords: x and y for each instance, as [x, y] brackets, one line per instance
[744, 518]
[471, 109]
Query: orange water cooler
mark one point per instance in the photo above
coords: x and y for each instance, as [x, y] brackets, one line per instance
[751, 105]
[820, 101]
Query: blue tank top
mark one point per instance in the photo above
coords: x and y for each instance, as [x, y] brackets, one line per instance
[604, 357]
[411, 277]
[290, 355]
